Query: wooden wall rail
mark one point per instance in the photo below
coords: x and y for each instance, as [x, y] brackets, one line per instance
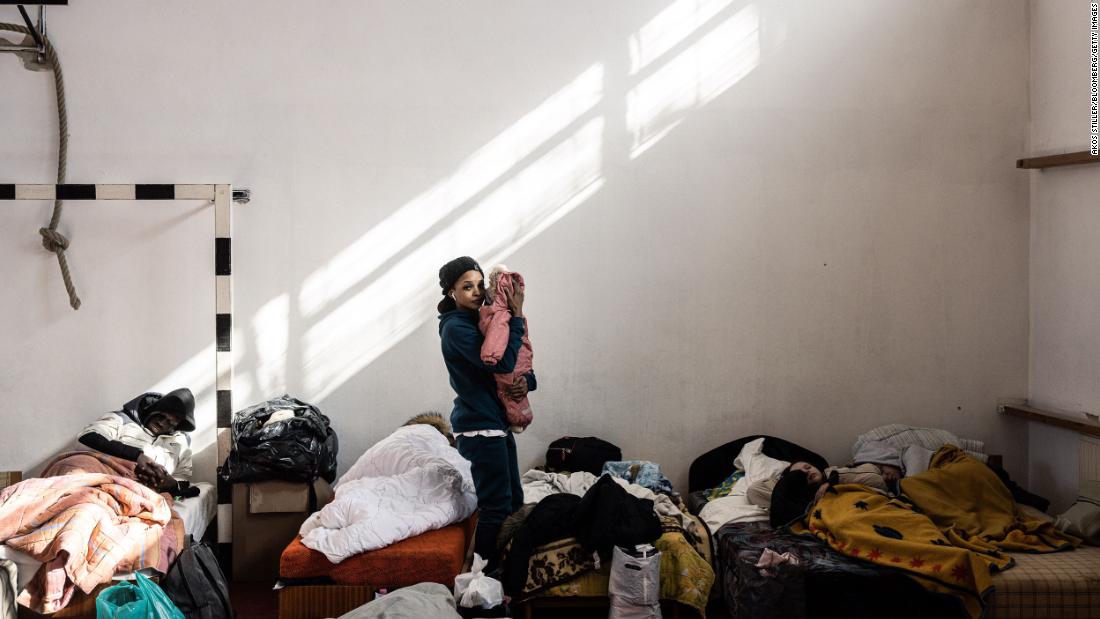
[1050, 161]
[1083, 425]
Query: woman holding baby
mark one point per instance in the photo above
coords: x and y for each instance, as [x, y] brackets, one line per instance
[479, 419]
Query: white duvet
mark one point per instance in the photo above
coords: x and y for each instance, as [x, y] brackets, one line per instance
[409, 482]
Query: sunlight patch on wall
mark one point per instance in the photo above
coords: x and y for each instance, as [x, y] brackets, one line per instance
[488, 164]
[197, 374]
[669, 28]
[709, 67]
[271, 338]
[680, 61]
[400, 300]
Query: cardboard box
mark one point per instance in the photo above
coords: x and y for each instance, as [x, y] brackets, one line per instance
[266, 517]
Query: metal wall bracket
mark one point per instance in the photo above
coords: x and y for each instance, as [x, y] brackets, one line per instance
[38, 34]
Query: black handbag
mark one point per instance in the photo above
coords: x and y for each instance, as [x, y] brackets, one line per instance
[572, 454]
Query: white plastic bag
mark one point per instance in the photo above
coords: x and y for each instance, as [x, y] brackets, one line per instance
[476, 590]
[635, 583]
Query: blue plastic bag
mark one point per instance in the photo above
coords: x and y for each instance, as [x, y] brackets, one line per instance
[145, 600]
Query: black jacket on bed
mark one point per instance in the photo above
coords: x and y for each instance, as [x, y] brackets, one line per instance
[606, 516]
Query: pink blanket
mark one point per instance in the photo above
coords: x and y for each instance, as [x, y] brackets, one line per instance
[493, 323]
[85, 525]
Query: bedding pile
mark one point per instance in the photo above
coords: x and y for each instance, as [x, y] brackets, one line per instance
[966, 500]
[85, 526]
[408, 483]
[537, 485]
[915, 445]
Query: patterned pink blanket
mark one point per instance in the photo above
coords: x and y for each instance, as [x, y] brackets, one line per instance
[85, 523]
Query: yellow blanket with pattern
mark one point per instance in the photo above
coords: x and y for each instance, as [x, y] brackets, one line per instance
[939, 544]
[968, 502]
[867, 525]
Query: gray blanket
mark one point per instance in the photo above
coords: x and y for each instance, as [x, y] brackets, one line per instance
[427, 599]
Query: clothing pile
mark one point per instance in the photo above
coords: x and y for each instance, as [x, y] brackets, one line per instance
[642, 472]
[606, 516]
[562, 541]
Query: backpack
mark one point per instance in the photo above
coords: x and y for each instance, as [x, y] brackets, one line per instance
[196, 585]
[573, 454]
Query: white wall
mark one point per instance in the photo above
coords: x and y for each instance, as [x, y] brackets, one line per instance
[734, 217]
[1065, 224]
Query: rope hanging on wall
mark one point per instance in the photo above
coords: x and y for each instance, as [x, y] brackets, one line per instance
[53, 240]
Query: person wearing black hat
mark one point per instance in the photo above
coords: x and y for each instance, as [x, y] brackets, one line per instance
[478, 418]
[152, 431]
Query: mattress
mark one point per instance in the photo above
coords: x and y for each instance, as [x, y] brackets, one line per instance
[198, 512]
[1040, 586]
[1055, 585]
[825, 583]
[435, 556]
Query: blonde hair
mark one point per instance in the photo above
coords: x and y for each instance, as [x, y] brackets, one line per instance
[433, 419]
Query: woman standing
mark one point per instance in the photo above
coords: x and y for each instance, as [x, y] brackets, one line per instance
[478, 418]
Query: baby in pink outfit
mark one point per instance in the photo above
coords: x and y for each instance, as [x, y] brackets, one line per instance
[493, 323]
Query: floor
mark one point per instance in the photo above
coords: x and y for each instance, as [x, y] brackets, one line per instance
[254, 599]
[257, 600]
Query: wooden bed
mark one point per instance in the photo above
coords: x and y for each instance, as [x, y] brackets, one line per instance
[311, 586]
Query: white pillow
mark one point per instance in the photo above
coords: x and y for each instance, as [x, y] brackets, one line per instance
[756, 465]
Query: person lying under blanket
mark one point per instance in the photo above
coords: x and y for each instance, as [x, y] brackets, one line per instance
[150, 430]
[881, 477]
[948, 529]
[94, 514]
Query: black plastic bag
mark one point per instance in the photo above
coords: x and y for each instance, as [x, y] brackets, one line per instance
[300, 448]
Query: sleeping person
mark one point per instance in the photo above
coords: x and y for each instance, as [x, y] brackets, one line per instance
[950, 528]
[879, 477]
[151, 431]
[93, 514]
